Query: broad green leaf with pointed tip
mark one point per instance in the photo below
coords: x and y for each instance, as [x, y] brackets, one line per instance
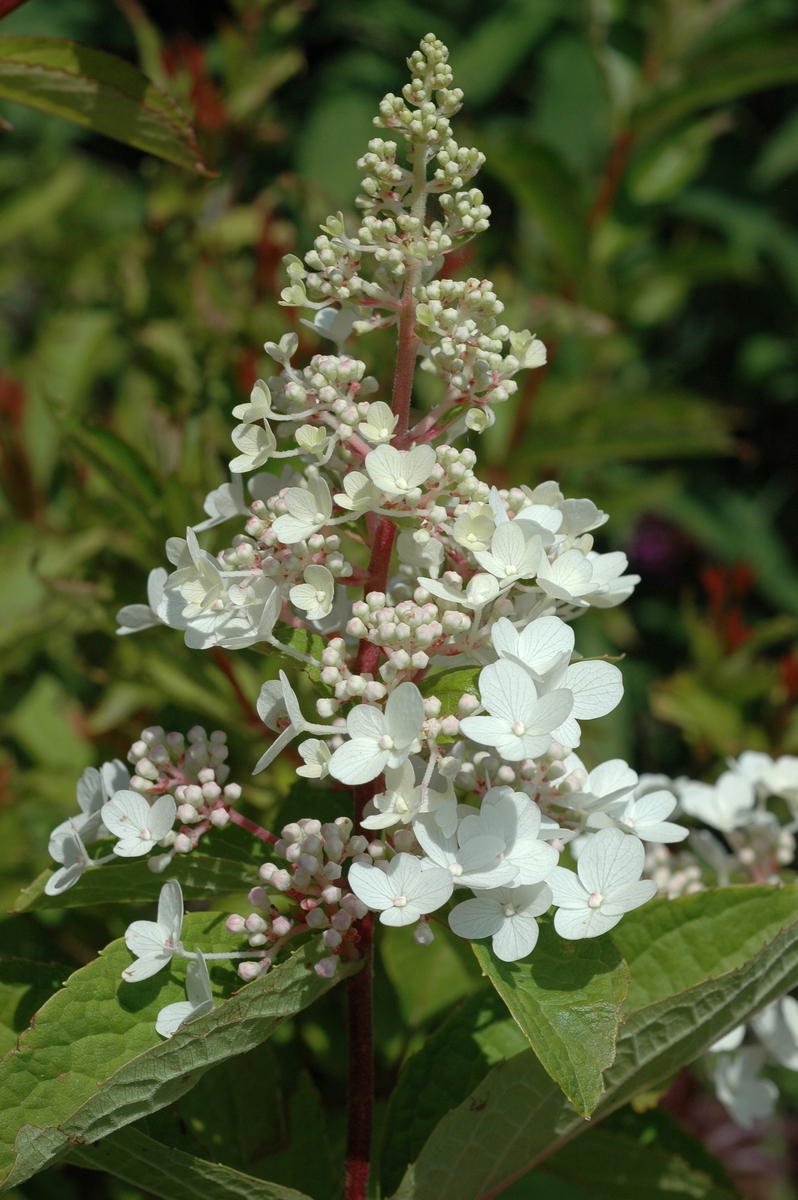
[628, 1157]
[140, 1160]
[100, 91]
[566, 998]
[700, 965]
[718, 76]
[92, 1061]
[24, 988]
[225, 863]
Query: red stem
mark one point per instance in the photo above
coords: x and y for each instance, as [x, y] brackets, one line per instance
[247, 707]
[8, 6]
[359, 988]
[612, 178]
[256, 830]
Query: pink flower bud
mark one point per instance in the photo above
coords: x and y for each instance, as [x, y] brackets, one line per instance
[183, 843]
[187, 812]
[234, 923]
[332, 870]
[326, 968]
[255, 923]
[354, 907]
[331, 938]
[282, 926]
[266, 870]
[258, 898]
[331, 894]
[281, 880]
[357, 845]
[317, 919]
[211, 790]
[257, 939]
[220, 817]
[248, 971]
[232, 792]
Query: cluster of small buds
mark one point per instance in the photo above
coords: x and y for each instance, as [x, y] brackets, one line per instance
[163, 762]
[313, 885]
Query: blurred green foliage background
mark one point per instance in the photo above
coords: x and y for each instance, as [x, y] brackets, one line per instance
[642, 168]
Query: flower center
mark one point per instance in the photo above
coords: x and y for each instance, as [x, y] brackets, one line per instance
[594, 900]
[509, 910]
[321, 595]
[385, 742]
[399, 901]
[456, 869]
[518, 728]
[511, 569]
[401, 482]
[145, 834]
[320, 518]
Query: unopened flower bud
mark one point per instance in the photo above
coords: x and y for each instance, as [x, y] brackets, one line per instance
[183, 843]
[220, 817]
[326, 967]
[234, 923]
[248, 971]
[423, 935]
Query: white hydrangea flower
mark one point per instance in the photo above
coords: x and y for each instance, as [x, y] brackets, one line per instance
[92, 791]
[397, 472]
[313, 440]
[132, 618]
[426, 558]
[248, 617]
[777, 1029]
[314, 596]
[359, 494]
[309, 510]
[75, 860]
[605, 785]
[379, 739]
[275, 701]
[222, 504]
[543, 520]
[155, 942]
[544, 648]
[513, 554]
[198, 578]
[645, 818]
[727, 804]
[781, 778]
[259, 407]
[480, 590]
[315, 755]
[745, 1096]
[139, 826]
[199, 1002]
[474, 529]
[515, 820]
[380, 423]
[400, 801]
[333, 323]
[476, 863]
[582, 516]
[404, 891]
[730, 1041]
[506, 915]
[520, 723]
[528, 349]
[257, 443]
[569, 578]
[606, 885]
[612, 585]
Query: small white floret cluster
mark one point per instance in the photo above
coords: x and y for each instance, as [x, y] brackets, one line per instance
[177, 792]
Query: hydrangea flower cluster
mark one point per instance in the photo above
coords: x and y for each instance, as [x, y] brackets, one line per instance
[433, 612]
[177, 782]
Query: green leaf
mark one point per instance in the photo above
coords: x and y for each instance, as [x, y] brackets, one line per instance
[715, 78]
[36, 207]
[540, 182]
[118, 463]
[604, 428]
[225, 862]
[494, 51]
[663, 169]
[423, 993]
[303, 641]
[100, 91]
[779, 158]
[567, 1000]
[627, 1158]
[700, 965]
[93, 1063]
[455, 1058]
[140, 1160]
[24, 988]
[449, 686]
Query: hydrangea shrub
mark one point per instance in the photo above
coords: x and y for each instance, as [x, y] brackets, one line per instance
[432, 618]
